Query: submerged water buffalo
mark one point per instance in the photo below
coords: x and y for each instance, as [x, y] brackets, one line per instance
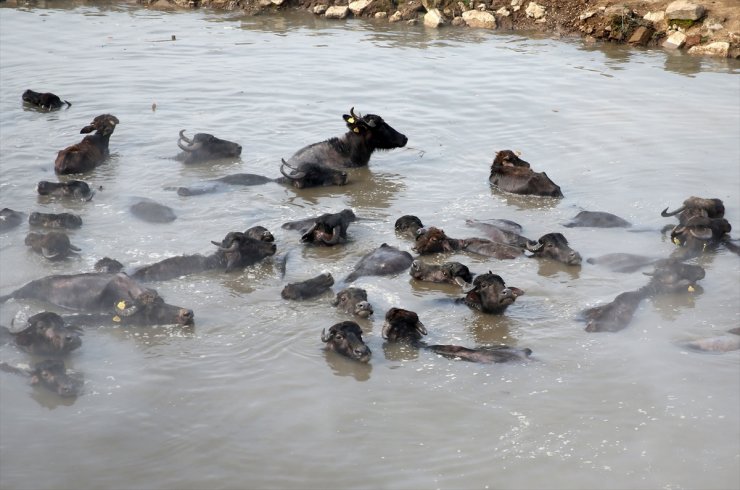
[72, 188]
[91, 151]
[490, 294]
[408, 225]
[236, 251]
[554, 246]
[9, 219]
[512, 174]
[697, 206]
[382, 261]
[500, 230]
[486, 355]
[106, 264]
[354, 301]
[698, 234]
[329, 229]
[622, 262]
[403, 326]
[55, 220]
[50, 374]
[54, 245]
[117, 294]
[303, 225]
[353, 149]
[448, 272]
[46, 333]
[204, 147]
[43, 100]
[152, 211]
[597, 219]
[717, 343]
[434, 240]
[345, 338]
[669, 276]
[309, 288]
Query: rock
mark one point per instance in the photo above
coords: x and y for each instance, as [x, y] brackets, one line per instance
[395, 17]
[410, 9]
[712, 24]
[481, 7]
[692, 40]
[430, 4]
[614, 11]
[337, 12]
[535, 11]
[586, 15]
[654, 16]
[381, 15]
[476, 18]
[434, 18]
[517, 3]
[277, 2]
[675, 40]
[357, 6]
[412, 22]
[457, 21]
[641, 36]
[720, 49]
[503, 12]
[320, 9]
[684, 10]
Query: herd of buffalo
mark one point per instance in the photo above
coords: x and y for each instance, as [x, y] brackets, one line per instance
[111, 295]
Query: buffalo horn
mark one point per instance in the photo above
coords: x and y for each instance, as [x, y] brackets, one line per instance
[335, 235]
[666, 214]
[420, 328]
[185, 138]
[296, 173]
[533, 246]
[702, 233]
[232, 248]
[324, 336]
[48, 254]
[127, 311]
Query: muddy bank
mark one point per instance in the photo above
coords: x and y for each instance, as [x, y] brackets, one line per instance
[703, 28]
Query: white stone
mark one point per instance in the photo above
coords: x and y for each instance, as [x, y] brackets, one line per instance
[684, 10]
[358, 6]
[535, 11]
[517, 3]
[434, 18]
[337, 12]
[476, 18]
[654, 16]
[395, 17]
[720, 49]
[320, 9]
[675, 40]
[381, 15]
[586, 15]
[277, 2]
[481, 7]
[503, 12]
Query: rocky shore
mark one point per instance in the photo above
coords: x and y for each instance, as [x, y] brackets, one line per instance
[708, 28]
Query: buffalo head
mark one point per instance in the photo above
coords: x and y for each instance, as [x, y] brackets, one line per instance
[346, 338]
[378, 134]
[490, 294]
[47, 334]
[403, 325]
[205, 146]
[148, 308]
[554, 246]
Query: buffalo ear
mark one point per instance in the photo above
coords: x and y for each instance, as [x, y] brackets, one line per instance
[355, 125]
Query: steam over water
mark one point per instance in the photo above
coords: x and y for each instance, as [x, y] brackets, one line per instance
[248, 398]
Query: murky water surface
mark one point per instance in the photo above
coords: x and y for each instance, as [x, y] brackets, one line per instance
[248, 398]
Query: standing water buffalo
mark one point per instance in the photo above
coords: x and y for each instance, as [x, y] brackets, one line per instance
[95, 292]
[382, 261]
[512, 174]
[46, 333]
[449, 272]
[345, 338]
[51, 374]
[55, 220]
[204, 147]
[490, 294]
[44, 100]
[353, 149]
[91, 151]
[72, 188]
[353, 300]
[309, 288]
[9, 219]
[54, 245]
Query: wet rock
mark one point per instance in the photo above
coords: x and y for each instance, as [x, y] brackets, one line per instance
[641, 36]
[337, 12]
[477, 19]
[503, 12]
[457, 21]
[320, 9]
[720, 49]
[395, 17]
[535, 11]
[358, 6]
[683, 10]
[434, 18]
[675, 40]
[381, 15]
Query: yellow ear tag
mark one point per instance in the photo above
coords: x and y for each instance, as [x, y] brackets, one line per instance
[116, 318]
[676, 241]
[356, 130]
[351, 120]
[691, 289]
[121, 305]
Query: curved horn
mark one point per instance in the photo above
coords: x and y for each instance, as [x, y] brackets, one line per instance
[73, 248]
[702, 233]
[126, 310]
[324, 336]
[420, 328]
[533, 246]
[666, 214]
[48, 254]
[335, 235]
[295, 175]
[352, 113]
[192, 147]
[232, 248]
[308, 236]
[185, 138]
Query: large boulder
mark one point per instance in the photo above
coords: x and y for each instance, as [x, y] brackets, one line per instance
[357, 6]
[684, 10]
[720, 49]
[476, 18]
[337, 12]
[535, 10]
[434, 18]
[675, 41]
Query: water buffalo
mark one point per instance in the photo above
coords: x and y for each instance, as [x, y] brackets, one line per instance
[152, 211]
[622, 262]
[44, 100]
[719, 343]
[669, 276]
[382, 261]
[403, 326]
[310, 174]
[303, 225]
[329, 229]
[106, 264]
[434, 240]
[51, 374]
[499, 230]
[597, 219]
[55, 220]
[260, 233]
[448, 272]
[554, 246]
[697, 206]
[408, 225]
[309, 288]
[204, 147]
[72, 188]
[118, 294]
[512, 174]
[353, 149]
[9, 219]
[54, 245]
[490, 294]
[91, 151]
[485, 355]
[698, 234]
[345, 338]
[353, 300]
[236, 251]
[46, 333]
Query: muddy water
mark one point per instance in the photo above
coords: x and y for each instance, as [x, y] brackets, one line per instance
[248, 398]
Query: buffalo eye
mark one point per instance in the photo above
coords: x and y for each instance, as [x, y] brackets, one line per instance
[338, 336]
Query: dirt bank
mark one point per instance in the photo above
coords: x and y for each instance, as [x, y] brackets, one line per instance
[710, 27]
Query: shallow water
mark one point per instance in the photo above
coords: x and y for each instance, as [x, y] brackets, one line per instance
[248, 398]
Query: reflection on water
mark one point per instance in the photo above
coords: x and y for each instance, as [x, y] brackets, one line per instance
[342, 366]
